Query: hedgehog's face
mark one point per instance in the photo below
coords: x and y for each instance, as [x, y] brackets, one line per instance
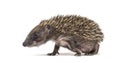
[37, 38]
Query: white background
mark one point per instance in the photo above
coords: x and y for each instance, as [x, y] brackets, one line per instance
[18, 17]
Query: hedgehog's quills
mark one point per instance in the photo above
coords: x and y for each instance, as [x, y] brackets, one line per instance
[78, 34]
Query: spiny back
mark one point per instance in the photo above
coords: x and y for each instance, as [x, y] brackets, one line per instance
[75, 25]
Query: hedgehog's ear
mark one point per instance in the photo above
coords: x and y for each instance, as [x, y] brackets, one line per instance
[48, 27]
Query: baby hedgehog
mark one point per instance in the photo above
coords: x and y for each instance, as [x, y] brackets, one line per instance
[76, 33]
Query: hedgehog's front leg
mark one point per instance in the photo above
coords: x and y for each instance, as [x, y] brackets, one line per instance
[55, 51]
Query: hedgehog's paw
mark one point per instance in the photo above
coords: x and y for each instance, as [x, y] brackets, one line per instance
[77, 54]
[52, 54]
[90, 54]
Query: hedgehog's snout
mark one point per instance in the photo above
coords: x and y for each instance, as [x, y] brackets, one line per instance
[24, 44]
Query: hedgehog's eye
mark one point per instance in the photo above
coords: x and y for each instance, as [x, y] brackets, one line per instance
[34, 36]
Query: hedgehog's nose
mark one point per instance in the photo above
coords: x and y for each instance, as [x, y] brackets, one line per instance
[24, 44]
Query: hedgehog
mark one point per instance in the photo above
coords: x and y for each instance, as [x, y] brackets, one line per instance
[76, 33]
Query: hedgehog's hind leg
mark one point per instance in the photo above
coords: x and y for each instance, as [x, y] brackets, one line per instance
[94, 51]
[55, 51]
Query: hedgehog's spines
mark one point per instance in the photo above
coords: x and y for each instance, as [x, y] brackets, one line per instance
[75, 25]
